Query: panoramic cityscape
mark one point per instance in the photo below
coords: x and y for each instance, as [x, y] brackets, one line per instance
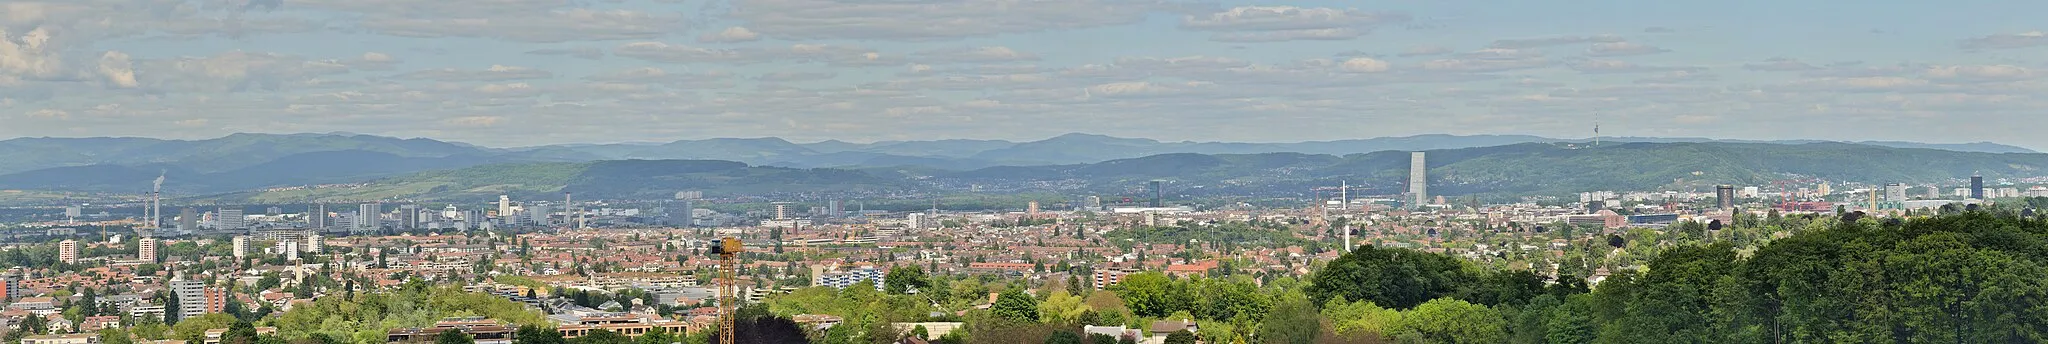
[998, 171]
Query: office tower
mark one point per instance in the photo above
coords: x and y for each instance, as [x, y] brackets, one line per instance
[1094, 203]
[781, 210]
[316, 216]
[241, 244]
[1031, 209]
[145, 249]
[1977, 187]
[1158, 196]
[291, 250]
[67, 251]
[315, 244]
[72, 213]
[834, 208]
[681, 213]
[370, 216]
[538, 214]
[1418, 179]
[195, 299]
[1895, 192]
[409, 216]
[188, 220]
[504, 206]
[1724, 196]
[231, 219]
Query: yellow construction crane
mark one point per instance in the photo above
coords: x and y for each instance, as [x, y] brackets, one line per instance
[728, 250]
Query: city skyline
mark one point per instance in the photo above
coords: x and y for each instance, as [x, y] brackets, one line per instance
[533, 72]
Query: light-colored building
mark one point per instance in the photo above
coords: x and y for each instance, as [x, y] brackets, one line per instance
[241, 244]
[370, 217]
[145, 249]
[79, 338]
[231, 219]
[1418, 179]
[67, 251]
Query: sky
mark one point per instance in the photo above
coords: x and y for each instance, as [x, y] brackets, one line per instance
[536, 72]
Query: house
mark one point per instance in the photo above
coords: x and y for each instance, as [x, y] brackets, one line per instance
[81, 338]
[94, 324]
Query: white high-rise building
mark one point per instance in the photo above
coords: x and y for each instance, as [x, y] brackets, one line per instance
[67, 251]
[241, 246]
[145, 249]
[291, 250]
[314, 244]
[504, 207]
[369, 217]
[192, 300]
[231, 219]
[1418, 179]
[1895, 192]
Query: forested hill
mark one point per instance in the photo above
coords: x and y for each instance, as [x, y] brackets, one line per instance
[619, 179]
[1540, 168]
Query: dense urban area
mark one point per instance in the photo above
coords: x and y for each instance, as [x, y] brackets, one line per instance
[1800, 260]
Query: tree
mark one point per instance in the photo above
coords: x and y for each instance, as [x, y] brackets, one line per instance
[115, 336]
[602, 336]
[454, 337]
[1454, 321]
[1182, 337]
[1293, 320]
[1391, 277]
[1015, 305]
[901, 280]
[241, 332]
[530, 334]
[1063, 337]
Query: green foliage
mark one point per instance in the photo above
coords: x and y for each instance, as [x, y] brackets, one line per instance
[535, 334]
[1453, 321]
[454, 337]
[903, 279]
[1015, 305]
[1396, 277]
[1182, 337]
[1293, 320]
[1063, 337]
[371, 314]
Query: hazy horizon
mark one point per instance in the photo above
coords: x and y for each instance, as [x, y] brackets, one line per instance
[516, 73]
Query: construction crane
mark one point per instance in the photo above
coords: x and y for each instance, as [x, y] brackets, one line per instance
[728, 250]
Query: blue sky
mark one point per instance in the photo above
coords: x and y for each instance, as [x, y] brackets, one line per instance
[531, 72]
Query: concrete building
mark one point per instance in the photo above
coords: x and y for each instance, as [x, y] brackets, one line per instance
[821, 276]
[1895, 192]
[314, 243]
[682, 213]
[196, 299]
[231, 219]
[78, 338]
[1724, 196]
[781, 210]
[145, 249]
[1977, 187]
[370, 217]
[1158, 194]
[316, 216]
[67, 251]
[1418, 179]
[188, 220]
[241, 244]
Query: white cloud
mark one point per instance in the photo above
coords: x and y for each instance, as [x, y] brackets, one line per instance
[1365, 65]
[1524, 43]
[545, 27]
[1425, 50]
[929, 20]
[1623, 49]
[1288, 23]
[118, 71]
[2006, 41]
[987, 54]
[796, 76]
[730, 35]
[1979, 73]
[1615, 66]
[587, 53]
[1332, 34]
[474, 121]
[836, 55]
[494, 73]
[1780, 64]
[658, 76]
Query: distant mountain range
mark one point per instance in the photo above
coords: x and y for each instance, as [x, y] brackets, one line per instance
[244, 162]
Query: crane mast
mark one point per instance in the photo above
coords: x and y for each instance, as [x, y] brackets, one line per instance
[728, 250]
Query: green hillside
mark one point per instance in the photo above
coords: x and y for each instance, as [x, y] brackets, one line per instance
[619, 179]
